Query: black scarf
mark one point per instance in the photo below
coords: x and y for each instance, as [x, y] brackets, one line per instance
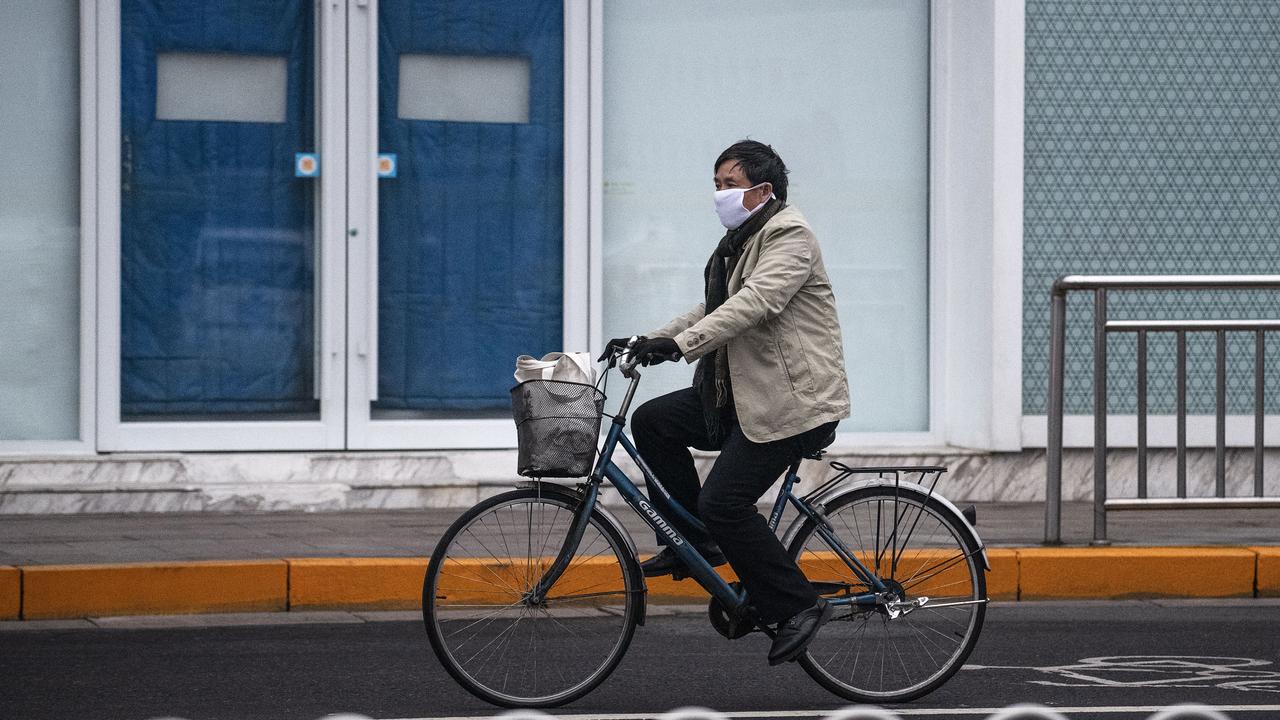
[711, 377]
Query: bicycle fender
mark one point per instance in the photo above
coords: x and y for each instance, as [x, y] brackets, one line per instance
[903, 486]
[573, 495]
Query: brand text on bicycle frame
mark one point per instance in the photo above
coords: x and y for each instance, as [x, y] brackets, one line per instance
[662, 524]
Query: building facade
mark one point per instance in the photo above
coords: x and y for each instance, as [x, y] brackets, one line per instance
[282, 254]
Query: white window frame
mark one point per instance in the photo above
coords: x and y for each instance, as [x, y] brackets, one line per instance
[975, 230]
[85, 442]
[325, 433]
[580, 123]
[1162, 431]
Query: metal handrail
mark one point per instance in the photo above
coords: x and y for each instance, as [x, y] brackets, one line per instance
[1164, 282]
[1100, 284]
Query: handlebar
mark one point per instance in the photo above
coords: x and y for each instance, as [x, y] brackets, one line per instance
[628, 368]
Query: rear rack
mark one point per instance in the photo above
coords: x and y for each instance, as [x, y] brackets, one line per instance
[929, 474]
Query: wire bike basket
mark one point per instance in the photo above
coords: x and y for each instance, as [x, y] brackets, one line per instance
[557, 427]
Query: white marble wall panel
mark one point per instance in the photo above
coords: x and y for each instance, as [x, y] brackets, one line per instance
[70, 501]
[240, 482]
[97, 472]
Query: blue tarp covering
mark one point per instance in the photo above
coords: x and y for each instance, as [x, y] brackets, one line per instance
[217, 240]
[217, 268]
[471, 232]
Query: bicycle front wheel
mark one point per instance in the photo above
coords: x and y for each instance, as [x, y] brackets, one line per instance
[503, 645]
[933, 566]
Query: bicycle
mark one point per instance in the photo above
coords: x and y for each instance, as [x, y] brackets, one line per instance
[531, 597]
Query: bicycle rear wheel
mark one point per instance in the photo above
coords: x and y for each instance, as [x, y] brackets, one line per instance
[919, 548]
[486, 630]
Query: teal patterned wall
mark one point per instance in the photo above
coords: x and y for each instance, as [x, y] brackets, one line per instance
[1152, 146]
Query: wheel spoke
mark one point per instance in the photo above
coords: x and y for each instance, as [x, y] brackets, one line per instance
[611, 593]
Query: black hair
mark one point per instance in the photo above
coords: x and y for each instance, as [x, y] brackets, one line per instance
[759, 163]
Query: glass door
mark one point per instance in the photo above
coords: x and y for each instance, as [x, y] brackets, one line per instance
[327, 225]
[220, 279]
[458, 131]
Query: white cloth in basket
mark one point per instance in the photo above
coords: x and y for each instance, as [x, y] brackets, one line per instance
[565, 366]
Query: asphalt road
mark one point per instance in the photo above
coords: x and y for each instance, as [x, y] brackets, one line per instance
[1116, 657]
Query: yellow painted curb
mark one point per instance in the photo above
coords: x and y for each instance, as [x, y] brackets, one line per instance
[664, 590]
[1268, 573]
[10, 592]
[65, 591]
[62, 591]
[1002, 579]
[356, 583]
[1131, 572]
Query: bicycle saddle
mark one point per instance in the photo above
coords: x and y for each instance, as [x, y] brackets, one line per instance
[818, 452]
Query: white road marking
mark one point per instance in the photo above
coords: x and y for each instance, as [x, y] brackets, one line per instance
[1103, 709]
[1180, 671]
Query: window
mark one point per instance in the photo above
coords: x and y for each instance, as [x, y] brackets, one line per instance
[216, 86]
[841, 90]
[39, 220]
[464, 88]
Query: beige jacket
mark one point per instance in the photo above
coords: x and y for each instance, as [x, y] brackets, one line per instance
[786, 358]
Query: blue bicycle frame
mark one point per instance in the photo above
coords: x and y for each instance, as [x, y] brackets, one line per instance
[698, 567]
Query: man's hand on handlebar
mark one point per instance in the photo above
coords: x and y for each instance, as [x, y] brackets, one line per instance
[615, 347]
[651, 351]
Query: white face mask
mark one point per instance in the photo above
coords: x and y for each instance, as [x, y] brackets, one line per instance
[730, 208]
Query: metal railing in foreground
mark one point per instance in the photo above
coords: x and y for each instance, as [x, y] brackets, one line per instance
[1100, 285]
[1026, 711]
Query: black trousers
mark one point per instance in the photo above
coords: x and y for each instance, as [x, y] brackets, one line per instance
[664, 429]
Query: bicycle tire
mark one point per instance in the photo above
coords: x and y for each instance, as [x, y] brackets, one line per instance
[930, 566]
[476, 592]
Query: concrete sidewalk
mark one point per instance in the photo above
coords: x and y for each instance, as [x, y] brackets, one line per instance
[76, 539]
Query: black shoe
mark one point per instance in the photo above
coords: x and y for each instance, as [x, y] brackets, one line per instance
[795, 633]
[667, 563]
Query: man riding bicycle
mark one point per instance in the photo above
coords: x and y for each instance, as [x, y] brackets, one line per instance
[769, 388]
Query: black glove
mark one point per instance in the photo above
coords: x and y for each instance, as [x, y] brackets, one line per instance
[652, 351]
[614, 345]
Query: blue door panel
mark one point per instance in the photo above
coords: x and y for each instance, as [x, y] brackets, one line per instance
[471, 230]
[217, 248]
